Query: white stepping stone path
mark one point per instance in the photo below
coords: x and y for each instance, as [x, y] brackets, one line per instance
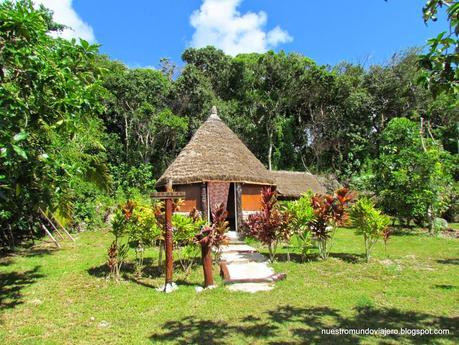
[244, 269]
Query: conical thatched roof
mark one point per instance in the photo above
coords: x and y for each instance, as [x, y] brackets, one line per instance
[292, 184]
[215, 153]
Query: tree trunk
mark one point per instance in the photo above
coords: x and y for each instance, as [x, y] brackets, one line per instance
[12, 244]
[270, 150]
[206, 255]
[367, 253]
[271, 248]
[126, 135]
[430, 219]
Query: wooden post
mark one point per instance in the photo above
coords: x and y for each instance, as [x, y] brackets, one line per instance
[52, 224]
[59, 225]
[63, 229]
[206, 254]
[168, 243]
[168, 196]
[51, 236]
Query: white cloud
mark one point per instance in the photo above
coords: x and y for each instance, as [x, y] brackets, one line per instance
[218, 23]
[65, 14]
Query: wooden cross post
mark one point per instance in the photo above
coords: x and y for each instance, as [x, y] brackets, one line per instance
[168, 196]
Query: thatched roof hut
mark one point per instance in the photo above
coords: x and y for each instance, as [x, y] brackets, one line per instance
[215, 153]
[216, 167]
[292, 184]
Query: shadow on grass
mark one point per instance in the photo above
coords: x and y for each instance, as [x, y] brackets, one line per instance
[350, 258]
[7, 258]
[33, 252]
[150, 270]
[453, 261]
[298, 258]
[128, 269]
[305, 325]
[445, 286]
[11, 285]
[404, 231]
[294, 257]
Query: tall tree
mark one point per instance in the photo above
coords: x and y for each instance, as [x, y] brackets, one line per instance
[50, 135]
[413, 174]
[138, 113]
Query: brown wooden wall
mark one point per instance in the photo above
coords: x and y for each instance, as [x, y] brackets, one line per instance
[251, 197]
[192, 198]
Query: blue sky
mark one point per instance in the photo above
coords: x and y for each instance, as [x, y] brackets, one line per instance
[140, 32]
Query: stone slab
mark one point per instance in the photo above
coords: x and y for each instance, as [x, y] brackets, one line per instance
[249, 270]
[231, 257]
[251, 287]
[237, 248]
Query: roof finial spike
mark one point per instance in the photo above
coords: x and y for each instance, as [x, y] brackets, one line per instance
[214, 113]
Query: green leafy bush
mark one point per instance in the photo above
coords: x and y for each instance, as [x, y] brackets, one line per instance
[369, 222]
[185, 230]
[136, 223]
[300, 214]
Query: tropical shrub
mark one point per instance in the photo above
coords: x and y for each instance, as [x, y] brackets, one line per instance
[185, 230]
[144, 231]
[369, 222]
[118, 250]
[385, 236]
[136, 223]
[330, 211]
[300, 214]
[270, 226]
[440, 225]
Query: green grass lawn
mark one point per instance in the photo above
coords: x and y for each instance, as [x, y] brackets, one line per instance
[61, 296]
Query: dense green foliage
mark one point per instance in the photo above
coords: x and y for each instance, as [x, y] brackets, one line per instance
[185, 244]
[80, 133]
[413, 175]
[50, 132]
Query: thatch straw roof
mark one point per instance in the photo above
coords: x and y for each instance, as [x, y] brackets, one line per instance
[215, 153]
[291, 184]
